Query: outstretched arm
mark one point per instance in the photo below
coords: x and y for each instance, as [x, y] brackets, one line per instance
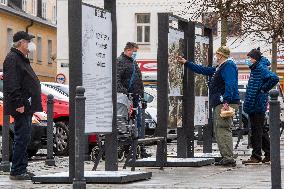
[204, 70]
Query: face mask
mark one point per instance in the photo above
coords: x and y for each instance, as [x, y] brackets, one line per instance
[31, 47]
[134, 55]
[248, 62]
[215, 59]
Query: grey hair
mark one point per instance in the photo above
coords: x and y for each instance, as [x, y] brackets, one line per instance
[17, 44]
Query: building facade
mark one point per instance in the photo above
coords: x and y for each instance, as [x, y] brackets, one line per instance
[38, 17]
[137, 20]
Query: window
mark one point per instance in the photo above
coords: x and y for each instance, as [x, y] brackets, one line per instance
[24, 5]
[9, 39]
[49, 51]
[44, 9]
[39, 50]
[54, 14]
[4, 2]
[34, 9]
[143, 28]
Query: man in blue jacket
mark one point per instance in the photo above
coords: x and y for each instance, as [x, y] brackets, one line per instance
[261, 81]
[223, 93]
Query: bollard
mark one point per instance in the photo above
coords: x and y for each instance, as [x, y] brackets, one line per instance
[5, 163]
[79, 181]
[50, 104]
[274, 126]
[142, 123]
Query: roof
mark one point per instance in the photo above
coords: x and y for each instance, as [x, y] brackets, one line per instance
[24, 15]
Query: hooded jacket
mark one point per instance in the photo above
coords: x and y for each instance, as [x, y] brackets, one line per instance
[261, 81]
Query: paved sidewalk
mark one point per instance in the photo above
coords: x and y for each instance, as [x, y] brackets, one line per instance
[241, 176]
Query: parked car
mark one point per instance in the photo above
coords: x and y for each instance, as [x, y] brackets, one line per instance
[38, 137]
[242, 91]
[150, 112]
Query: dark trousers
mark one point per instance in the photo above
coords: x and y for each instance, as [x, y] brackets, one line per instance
[259, 136]
[138, 116]
[22, 137]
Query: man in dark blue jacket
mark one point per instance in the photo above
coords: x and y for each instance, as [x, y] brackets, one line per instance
[261, 81]
[223, 93]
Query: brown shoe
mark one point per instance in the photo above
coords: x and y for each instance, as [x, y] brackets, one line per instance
[251, 160]
[266, 160]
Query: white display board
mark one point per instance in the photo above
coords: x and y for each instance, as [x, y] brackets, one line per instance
[97, 69]
[201, 111]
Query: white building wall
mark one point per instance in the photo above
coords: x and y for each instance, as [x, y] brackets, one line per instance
[62, 39]
[126, 28]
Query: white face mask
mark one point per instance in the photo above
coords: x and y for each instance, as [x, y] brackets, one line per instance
[31, 47]
[215, 59]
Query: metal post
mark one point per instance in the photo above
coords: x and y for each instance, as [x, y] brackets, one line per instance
[75, 71]
[79, 181]
[50, 159]
[111, 160]
[143, 123]
[181, 142]
[208, 131]
[162, 88]
[274, 126]
[188, 90]
[5, 163]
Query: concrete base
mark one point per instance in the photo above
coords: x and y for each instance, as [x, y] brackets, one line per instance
[107, 177]
[216, 156]
[175, 162]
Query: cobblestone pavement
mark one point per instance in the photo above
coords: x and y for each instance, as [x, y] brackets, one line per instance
[241, 176]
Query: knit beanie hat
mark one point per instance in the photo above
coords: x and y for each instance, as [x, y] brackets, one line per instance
[224, 51]
[255, 54]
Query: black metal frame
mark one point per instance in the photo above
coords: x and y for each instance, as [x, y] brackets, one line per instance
[185, 146]
[75, 61]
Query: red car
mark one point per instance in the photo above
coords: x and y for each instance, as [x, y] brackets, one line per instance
[61, 117]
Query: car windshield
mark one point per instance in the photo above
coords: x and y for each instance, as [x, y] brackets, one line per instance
[58, 87]
[57, 95]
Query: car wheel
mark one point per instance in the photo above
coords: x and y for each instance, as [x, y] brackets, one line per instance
[61, 137]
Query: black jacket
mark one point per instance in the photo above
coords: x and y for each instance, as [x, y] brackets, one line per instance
[124, 74]
[21, 85]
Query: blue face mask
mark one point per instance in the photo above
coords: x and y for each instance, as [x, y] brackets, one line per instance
[248, 62]
[134, 55]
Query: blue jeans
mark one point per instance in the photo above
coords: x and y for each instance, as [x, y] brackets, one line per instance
[22, 137]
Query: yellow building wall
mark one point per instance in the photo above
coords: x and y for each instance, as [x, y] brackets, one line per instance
[45, 71]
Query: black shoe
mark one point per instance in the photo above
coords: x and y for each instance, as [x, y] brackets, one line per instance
[266, 160]
[24, 176]
[226, 163]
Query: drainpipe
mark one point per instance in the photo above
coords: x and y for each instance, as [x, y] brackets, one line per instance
[30, 25]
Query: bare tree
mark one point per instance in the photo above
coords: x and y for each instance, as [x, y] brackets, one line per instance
[265, 19]
[228, 11]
